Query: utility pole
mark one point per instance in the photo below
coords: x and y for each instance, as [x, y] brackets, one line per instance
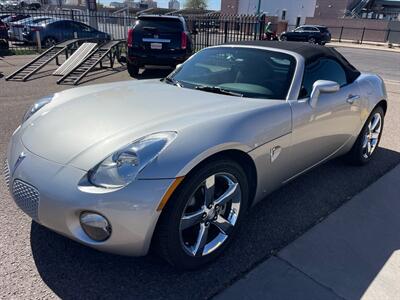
[258, 7]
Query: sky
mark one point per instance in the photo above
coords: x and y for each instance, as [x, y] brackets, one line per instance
[212, 4]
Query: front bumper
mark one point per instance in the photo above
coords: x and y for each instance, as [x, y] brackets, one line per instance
[131, 211]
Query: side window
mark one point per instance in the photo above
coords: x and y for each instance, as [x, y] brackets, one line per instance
[59, 25]
[78, 27]
[84, 27]
[323, 69]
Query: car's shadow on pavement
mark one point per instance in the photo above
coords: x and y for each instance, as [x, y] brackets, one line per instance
[153, 73]
[75, 271]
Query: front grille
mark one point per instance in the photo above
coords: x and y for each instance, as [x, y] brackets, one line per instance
[27, 198]
[6, 171]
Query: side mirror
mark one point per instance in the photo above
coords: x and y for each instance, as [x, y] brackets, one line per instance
[320, 87]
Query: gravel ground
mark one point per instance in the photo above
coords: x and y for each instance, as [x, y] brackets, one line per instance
[37, 263]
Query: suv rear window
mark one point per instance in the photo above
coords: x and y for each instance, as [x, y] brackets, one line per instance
[162, 24]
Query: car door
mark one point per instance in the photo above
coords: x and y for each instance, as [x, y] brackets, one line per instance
[296, 35]
[314, 33]
[319, 132]
[60, 30]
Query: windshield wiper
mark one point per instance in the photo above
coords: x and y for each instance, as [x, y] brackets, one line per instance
[217, 90]
[172, 81]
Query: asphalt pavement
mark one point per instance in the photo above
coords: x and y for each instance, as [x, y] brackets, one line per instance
[38, 263]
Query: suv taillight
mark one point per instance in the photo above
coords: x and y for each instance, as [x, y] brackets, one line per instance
[130, 37]
[183, 40]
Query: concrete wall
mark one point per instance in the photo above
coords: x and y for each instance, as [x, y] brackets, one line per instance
[394, 34]
[294, 8]
[353, 29]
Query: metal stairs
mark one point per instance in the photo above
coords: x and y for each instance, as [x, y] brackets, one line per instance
[43, 59]
[358, 8]
[110, 50]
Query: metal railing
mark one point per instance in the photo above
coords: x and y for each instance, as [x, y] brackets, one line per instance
[212, 29]
[362, 35]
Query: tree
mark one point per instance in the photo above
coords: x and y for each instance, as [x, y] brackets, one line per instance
[196, 4]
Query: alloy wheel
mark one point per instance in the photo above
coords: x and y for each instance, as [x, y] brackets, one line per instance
[210, 214]
[372, 135]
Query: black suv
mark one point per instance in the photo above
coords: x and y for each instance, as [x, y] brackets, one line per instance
[315, 34]
[158, 40]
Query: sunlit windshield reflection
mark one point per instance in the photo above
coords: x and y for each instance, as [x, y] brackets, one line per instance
[246, 72]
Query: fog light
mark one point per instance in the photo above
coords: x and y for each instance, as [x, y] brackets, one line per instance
[95, 226]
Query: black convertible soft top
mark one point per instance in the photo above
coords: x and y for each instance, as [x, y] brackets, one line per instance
[310, 52]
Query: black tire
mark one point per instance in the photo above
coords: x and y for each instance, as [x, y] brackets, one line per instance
[4, 45]
[312, 40]
[283, 38]
[168, 242]
[133, 70]
[357, 155]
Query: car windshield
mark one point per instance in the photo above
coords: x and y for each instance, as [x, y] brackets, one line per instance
[238, 71]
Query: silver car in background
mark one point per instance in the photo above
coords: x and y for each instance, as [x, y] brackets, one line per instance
[17, 28]
[174, 164]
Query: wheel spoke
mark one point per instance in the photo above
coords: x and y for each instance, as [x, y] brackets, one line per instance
[369, 147]
[229, 194]
[191, 219]
[375, 122]
[198, 248]
[223, 225]
[365, 142]
[375, 135]
[209, 190]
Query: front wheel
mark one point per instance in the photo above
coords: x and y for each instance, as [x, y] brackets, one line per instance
[203, 215]
[369, 138]
[284, 38]
[312, 40]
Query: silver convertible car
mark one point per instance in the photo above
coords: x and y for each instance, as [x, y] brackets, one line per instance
[174, 164]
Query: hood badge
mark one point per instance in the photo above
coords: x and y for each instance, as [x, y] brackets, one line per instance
[20, 158]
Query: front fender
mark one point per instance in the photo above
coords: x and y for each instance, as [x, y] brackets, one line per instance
[374, 91]
[244, 131]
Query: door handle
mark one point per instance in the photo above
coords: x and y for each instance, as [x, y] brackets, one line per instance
[351, 98]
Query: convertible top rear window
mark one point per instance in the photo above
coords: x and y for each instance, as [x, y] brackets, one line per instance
[250, 72]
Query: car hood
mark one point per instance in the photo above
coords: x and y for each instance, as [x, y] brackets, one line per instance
[82, 126]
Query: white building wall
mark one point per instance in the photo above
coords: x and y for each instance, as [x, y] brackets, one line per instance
[294, 8]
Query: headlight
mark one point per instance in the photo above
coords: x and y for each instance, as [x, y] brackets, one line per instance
[35, 107]
[122, 167]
